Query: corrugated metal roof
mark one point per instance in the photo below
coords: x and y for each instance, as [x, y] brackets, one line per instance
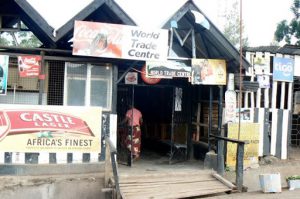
[271, 49]
[285, 50]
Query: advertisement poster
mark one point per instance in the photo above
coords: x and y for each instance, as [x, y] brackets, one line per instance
[119, 41]
[29, 66]
[247, 115]
[29, 128]
[263, 81]
[230, 106]
[261, 64]
[4, 60]
[283, 69]
[178, 99]
[209, 71]
[167, 69]
[249, 132]
[131, 78]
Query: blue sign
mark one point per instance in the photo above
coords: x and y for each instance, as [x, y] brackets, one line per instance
[283, 69]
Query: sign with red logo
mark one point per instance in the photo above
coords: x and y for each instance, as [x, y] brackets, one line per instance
[29, 66]
[119, 41]
[46, 128]
[146, 79]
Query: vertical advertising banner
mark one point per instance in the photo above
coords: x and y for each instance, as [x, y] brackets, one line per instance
[29, 66]
[209, 71]
[4, 60]
[249, 132]
[119, 41]
[25, 128]
[283, 69]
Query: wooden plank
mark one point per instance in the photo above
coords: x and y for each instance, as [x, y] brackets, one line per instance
[177, 184]
[224, 181]
[282, 97]
[290, 95]
[198, 121]
[176, 192]
[167, 182]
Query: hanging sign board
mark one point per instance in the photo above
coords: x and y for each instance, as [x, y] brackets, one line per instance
[119, 41]
[4, 60]
[29, 66]
[47, 128]
[167, 69]
[283, 69]
[209, 71]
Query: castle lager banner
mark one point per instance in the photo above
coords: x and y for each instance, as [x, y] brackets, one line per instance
[119, 41]
[25, 128]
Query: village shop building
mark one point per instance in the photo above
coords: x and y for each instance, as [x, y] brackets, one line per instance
[275, 102]
[99, 81]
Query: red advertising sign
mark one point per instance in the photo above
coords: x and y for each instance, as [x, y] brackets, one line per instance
[29, 66]
[146, 79]
[119, 41]
[29, 121]
[25, 128]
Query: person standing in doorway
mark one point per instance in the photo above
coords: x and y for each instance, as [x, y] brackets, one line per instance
[134, 120]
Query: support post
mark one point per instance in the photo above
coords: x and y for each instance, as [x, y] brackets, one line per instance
[42, 79]
[210, 116]
[240, 166]
[220, 147]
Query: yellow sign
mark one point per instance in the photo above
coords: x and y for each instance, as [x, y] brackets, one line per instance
[249, 132]
[208, 71]
[26, 128]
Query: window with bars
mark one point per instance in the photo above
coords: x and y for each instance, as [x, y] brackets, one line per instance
[88, 85]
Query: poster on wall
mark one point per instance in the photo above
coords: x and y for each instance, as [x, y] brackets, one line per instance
[261, 64]
[168, 69]
[29, 65]
[30, 128]
[131, 78]
[4, 60]
[208, 71]
[248, 132]
[178, 99]
[263, 81]
[283, 69]
[246, 114]
[119, 41]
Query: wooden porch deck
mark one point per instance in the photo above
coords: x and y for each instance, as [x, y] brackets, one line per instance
[156, 179]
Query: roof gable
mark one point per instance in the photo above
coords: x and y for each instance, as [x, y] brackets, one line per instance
[210, 43]
[99, 10]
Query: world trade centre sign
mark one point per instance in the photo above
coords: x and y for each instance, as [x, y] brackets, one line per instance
[119, 41]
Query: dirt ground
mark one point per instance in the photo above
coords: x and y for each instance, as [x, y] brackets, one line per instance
[90, 185]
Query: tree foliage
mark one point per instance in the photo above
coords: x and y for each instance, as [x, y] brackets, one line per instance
[290, 32]
[22, 38]
[232, 26]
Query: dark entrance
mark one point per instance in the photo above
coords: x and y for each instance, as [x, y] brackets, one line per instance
[166, 114]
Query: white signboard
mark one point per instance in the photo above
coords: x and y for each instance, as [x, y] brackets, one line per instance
[119, 41]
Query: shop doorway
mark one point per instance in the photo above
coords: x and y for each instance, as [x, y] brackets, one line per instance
[164, 128]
